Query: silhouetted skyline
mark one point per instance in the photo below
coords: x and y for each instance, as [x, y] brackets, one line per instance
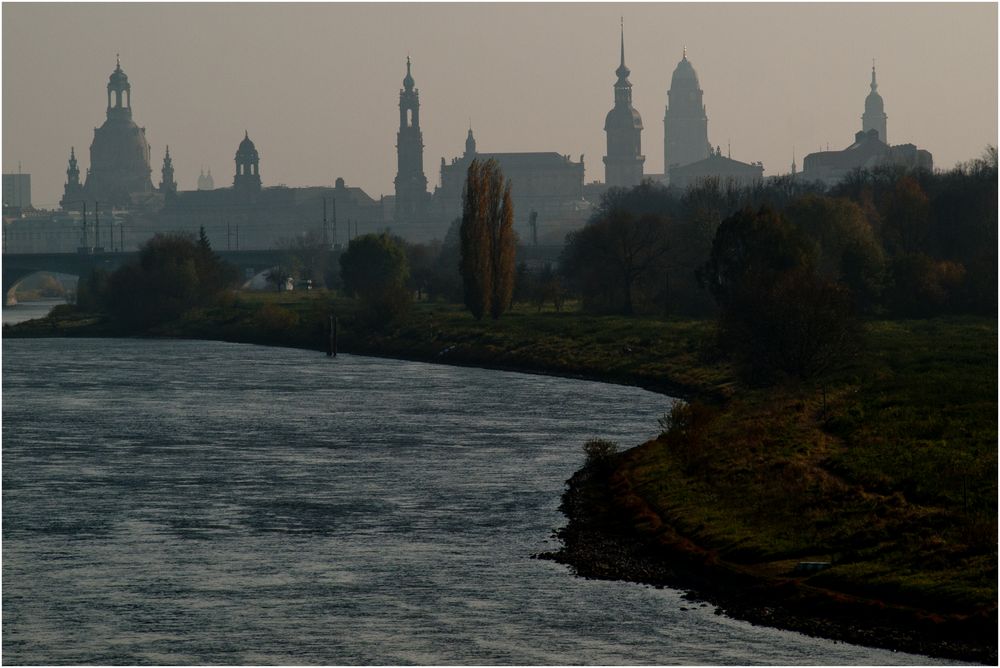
[317, 85]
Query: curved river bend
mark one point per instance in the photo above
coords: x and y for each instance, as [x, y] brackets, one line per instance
[179, 502]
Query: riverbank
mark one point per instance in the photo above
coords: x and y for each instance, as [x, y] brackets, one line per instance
[887, 473]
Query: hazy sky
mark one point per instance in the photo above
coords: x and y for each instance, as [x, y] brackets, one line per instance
[317, 85]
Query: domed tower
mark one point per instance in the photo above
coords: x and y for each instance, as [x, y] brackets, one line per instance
[167, 183]
[411, 184]
[874, 117]
[685, 125]
[72, 192]
[623, 126]
[247, 179]
[119, 154]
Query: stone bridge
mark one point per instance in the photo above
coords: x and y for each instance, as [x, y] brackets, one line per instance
[18, 266]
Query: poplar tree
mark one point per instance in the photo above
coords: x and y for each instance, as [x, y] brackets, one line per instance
[488, 241]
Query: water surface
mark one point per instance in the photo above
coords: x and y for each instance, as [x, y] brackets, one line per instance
[179, 502]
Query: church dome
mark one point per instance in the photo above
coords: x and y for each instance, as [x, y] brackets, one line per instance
[622, 117]
[684, 75]
[118, 78]
[246, 150]
[408, 79]
[874, 103]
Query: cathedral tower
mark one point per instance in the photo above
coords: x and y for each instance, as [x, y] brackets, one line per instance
[247, 178]
[411, 184]
[874, 117]
[167, 183]
[119, 154]
[623, 126]
[685, 125]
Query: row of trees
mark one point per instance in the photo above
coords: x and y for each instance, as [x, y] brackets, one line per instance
[903, 243]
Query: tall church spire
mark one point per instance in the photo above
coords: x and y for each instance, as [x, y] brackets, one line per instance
[623, 126]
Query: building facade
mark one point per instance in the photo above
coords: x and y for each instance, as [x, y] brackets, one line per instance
[717, 166]
[623, 127]
[685, 123]
[17, 191]
[547, 183]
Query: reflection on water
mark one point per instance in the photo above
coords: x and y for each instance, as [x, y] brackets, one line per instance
[29, 310]
[191, 502]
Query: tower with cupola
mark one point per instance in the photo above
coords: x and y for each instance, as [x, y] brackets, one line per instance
[411, 184]
[874, 117]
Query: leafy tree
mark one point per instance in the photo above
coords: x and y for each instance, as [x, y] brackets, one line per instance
[173, 274]
[92, 290]
[374, 269]
[847, 249]
[619, 263]
[488, 242]
[778, 317]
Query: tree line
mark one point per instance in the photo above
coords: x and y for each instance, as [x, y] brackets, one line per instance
[786, 266]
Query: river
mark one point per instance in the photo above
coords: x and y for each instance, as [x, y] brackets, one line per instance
[177, 502]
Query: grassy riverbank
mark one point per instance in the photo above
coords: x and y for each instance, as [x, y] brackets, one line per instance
[888, 472]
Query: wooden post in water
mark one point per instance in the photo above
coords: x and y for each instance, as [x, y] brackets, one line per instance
[331, 346]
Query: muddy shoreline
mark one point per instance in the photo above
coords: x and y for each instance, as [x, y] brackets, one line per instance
[598, 543]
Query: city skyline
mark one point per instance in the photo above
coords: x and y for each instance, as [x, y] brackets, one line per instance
[321, 111]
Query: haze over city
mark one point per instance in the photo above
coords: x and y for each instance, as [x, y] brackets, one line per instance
[317, 85]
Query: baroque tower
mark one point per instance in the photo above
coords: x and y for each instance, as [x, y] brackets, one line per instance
[623, 125]
[72, 191]
[167, 183]
[685, 125]
[247, 178]
[411, 184]
[874, 117]
[119, 154]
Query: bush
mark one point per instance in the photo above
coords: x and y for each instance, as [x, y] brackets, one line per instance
[274, 319]
[599, 452]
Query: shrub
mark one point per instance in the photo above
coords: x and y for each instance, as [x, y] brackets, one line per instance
[599, 452]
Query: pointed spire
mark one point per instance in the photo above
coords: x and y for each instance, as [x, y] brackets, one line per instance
[168, 151]
[622, 19]
[246, 135]
[874, 83]
[622, 70]
[684, 55]
[72, 153]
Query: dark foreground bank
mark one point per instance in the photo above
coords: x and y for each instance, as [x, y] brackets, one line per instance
[598, 543]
